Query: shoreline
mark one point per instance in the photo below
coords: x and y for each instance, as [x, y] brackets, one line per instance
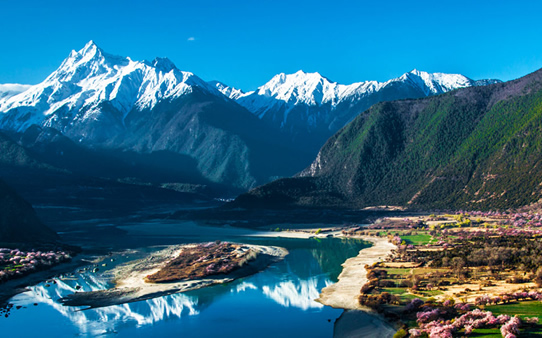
[344, 294]
[13, 287]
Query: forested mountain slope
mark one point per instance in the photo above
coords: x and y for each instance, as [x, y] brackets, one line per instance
[475, 148]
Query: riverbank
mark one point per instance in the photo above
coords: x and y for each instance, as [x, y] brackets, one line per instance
[458, 274]
[345, 293]
[13, 287]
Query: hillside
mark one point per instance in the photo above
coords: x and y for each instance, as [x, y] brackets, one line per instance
[473, 148]
[18, 220]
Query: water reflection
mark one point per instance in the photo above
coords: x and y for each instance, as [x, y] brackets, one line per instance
[107, 319]
[291, 285]
[300, 295]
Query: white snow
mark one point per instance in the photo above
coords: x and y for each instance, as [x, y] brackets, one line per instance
[11, 89]
[89, 77]
[231, 92]
[312, 89]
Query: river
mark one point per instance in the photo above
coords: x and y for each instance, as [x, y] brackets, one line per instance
[277, 302]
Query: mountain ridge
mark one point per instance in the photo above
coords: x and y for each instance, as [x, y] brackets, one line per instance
[108, 102]
[472, 148]
[90, 77]
[309, 107]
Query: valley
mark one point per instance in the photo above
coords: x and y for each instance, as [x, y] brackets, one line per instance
[140, 199]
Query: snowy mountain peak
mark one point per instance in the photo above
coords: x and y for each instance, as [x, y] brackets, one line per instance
[436, 83]
[300, 87]
[90, 49]
[163, 64]
[90, 77]
[298, 78]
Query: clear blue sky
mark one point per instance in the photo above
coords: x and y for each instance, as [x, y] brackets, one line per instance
[245, 43]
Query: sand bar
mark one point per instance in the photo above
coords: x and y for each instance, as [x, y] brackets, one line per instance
[131, 285]
[344, 294]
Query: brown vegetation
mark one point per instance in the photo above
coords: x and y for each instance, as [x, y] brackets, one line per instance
[202, 261]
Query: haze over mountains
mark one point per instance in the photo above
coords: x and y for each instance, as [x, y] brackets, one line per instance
[181, 129]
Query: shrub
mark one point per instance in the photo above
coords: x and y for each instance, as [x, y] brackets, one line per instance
[400, 334]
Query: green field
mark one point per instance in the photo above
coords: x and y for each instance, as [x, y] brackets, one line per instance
[401, 292]
[397, 271]
[419, 239]
[496, 333]
[522, 309]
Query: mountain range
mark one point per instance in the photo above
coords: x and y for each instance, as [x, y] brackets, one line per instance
[473, 148]
[105, 102]
[309, 108]
[114, 107]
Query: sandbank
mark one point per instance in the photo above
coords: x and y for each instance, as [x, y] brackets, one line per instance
[344, 294]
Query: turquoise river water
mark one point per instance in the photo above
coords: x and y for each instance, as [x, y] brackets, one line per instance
[277, 302]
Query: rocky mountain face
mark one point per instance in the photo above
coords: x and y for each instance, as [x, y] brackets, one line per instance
[472, 148]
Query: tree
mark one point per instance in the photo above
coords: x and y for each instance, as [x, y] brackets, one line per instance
[457, 264]
[538, 277]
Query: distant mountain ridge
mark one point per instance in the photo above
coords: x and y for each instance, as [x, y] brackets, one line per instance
[473, 148]
[310, 108]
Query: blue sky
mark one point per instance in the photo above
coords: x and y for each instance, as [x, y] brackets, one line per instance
[245, 43]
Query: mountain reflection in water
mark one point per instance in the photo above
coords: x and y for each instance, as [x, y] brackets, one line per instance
[284, 292]
[106, 319]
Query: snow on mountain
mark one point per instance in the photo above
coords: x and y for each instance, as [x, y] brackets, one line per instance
[231, 92]
[90, 77]
[315, 99]
[435, 83]
[315, 90]
[11, 89]
[288, 91]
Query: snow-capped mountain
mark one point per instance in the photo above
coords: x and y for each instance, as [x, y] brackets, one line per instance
[107, 102]
[102, 101]
[310, 107]
[90, 77]
[313, 89]
[316, 90]
[11, 89]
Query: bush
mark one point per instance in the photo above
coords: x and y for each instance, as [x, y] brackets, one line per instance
[400, 334]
